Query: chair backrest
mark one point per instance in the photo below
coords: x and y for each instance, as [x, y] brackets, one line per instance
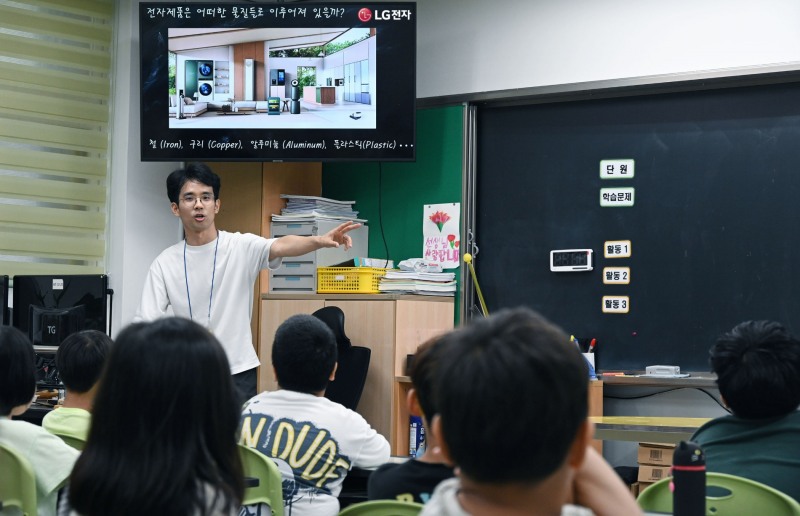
[351, 373]
[75, 441]
[726, 495]
[270, 483]
[17, 482]
[382, 508]
[333, 316]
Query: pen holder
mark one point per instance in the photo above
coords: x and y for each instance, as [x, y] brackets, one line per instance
[589, 357]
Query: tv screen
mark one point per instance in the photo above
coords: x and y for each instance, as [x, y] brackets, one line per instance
[342, 74]
[50, 308]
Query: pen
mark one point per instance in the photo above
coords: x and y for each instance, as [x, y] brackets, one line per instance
[592, 345]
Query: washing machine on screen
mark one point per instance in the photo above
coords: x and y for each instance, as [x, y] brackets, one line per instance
[205, 80]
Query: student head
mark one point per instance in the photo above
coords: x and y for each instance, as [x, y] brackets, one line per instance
[17, 378]
[512, 399]
[758, 369]
[80, 359]
[304, 354]
[198, 172]
[422, 396]
[163, 434]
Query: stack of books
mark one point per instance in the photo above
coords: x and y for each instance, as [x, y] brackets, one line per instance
[425, 283]
[306, 208]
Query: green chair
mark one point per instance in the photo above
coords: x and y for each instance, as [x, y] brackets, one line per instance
[17, 482]
[382, 508]
[270, 483]
[737, 496]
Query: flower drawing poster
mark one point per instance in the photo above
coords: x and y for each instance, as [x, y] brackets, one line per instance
[441, 224]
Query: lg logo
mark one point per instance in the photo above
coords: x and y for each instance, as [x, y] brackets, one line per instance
[364, 14]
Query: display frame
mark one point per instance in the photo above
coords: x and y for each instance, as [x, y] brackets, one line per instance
[384, 129]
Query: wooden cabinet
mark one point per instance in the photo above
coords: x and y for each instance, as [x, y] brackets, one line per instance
[391, 326]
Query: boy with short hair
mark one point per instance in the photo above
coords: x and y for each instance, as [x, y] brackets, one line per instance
[50, 458]
[758, 374]
[80, 360]
[313, 440]
[415, 480]
[512, 398]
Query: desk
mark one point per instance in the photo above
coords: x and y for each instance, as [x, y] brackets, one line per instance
[646, 429]
[693, 381]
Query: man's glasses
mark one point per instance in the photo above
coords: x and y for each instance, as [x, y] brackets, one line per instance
[190, 200]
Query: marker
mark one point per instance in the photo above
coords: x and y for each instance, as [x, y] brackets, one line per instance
[592, 345]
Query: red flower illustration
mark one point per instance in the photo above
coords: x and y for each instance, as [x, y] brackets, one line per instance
[439, 218]
[451, 239]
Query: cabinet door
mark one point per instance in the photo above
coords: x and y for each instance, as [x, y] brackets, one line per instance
[273, 313]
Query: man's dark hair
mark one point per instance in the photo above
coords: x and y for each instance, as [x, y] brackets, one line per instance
[423, 375]
[197, 171]
[17, 377]
[512, 395]
[758, 369]
[303, 354]
[80, 359]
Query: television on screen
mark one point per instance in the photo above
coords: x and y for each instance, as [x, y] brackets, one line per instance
[208, 71]
[50, 308]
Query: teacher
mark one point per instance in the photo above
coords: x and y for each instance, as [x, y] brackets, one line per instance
[208, 277]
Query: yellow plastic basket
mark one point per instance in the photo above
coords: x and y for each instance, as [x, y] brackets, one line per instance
[349, 280]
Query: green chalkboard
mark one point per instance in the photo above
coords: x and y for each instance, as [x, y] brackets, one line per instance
[714, 229]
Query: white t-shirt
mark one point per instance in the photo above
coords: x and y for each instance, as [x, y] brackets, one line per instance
[239, 258]
[444, 502]
[315, 442]
[50, 457]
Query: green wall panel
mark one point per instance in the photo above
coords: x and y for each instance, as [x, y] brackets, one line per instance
[391, 196]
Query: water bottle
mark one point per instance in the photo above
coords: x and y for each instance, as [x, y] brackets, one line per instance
[688, 480]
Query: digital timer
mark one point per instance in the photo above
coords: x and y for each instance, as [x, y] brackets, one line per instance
[571, 260]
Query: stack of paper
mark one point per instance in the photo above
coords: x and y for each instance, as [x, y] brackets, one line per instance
[304, 208]
[426, 283]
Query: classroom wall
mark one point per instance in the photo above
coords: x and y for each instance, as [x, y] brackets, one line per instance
[141, 224]
[463, 46]
[467, 46]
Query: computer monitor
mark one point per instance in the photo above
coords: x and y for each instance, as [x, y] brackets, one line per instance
[49, 308]
[5, 314]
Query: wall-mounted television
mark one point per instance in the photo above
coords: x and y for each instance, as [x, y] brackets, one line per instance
[210, 70]
[50, 308]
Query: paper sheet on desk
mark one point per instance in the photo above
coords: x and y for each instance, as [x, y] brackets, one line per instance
[681, 375]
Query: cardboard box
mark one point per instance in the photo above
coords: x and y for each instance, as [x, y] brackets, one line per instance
[635, 489]
[642, 487]
[657, 454]
[648, 473]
